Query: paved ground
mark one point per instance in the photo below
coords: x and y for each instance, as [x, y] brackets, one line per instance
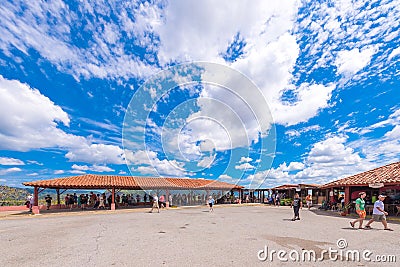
[231, 236]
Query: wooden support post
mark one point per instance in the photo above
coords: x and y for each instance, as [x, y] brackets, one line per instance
[58, 196]
[113, 199]
[35, 208]
[167, 198]
[347, 196]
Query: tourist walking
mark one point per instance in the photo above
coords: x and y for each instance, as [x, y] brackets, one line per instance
[170, 200]
[211, 202]
[360, 209]
[102, 201]
[278, 199]
[48, 199]
[297, 205]
[162, 201]
[30, 202]
[379, 214]
[155, 204]
[309, 201]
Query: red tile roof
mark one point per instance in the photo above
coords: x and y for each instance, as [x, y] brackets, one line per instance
[388, 175]
[92, 181]
[286, 187]
[310, 185]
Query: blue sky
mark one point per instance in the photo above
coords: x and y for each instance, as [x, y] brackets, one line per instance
[287, 91]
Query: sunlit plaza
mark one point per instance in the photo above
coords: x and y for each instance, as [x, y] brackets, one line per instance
[232, 235]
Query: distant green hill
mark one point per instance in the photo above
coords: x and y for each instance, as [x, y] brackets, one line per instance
[12, 196]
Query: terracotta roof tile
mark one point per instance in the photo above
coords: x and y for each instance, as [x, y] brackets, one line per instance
[388, 174]
[92, 181]
[286, 186]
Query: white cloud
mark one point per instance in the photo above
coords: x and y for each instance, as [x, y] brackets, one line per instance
[30, 121]
[59, 172]
[104, 125]
[394, 53]
[327, 160]
[384, 147]
[349, 62]
[47, 28]
[148, 163]
[293, 166]
[227, 179]
[94, 168]
[9, 170]
[312, 98]
[10, 161]
[333, 152]
[35, 162]
[269, 56]
[266, 179]
[206, 162]
[244, 166]
[355, 25]
[245, 159]
[96, 153]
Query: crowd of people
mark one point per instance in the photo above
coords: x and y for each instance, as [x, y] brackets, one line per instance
[102, 201]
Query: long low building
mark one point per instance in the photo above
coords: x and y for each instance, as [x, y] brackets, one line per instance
[383, 180]
[115, 182]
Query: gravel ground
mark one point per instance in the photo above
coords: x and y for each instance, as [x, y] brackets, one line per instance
[232, 235]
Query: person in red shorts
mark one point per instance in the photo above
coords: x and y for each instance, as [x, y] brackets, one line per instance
[360, 209]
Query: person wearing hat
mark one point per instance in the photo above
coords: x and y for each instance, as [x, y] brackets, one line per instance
[379, 214]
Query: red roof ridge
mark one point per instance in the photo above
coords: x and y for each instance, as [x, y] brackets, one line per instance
[389, 173]
[92, 181]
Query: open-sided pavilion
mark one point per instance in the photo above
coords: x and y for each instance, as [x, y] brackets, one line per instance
[382, 180]
[114, 183]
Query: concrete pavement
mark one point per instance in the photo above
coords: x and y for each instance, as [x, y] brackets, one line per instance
[233, 235]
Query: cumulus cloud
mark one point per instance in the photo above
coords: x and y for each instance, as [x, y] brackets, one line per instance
[46, 28]
[394, 53]
[95, 168]
[244, 166]
[364, 29]
[9, 170]
[227, 179]
[147, 162]
[385, 147]
[349, 62]
[10, 161]
[293, 166]
[269, 54]
[31, 120]
[330, 159]
[96, 153]
[206, 162]
[333, 152]
[245, 159]
[312, 98]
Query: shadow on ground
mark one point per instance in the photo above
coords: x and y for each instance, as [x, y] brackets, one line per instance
[331, 213]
